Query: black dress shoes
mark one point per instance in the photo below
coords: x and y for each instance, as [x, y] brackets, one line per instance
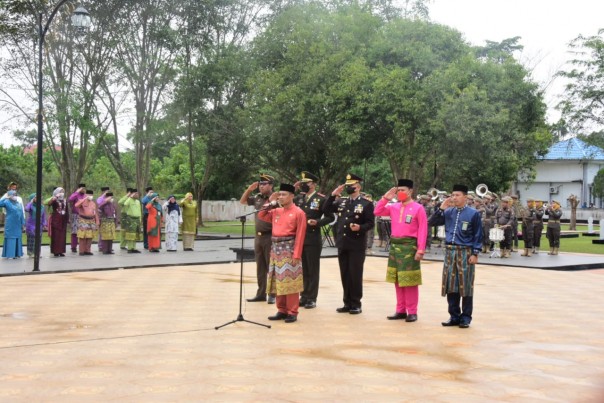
[279, 316]
[397, 316]
[355, 311]
[310, 305]
[464, 325]
[290, 318]
[344, 309]
[411, 318]
[256, 299]
[450, 322]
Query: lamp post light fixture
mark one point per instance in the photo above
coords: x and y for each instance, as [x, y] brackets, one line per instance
[81, 21]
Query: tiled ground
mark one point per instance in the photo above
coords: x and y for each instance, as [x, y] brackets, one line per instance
[148, 335]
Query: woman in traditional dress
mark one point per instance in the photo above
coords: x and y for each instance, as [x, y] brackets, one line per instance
[173, 218]
[108, 217]
[30, 224]
[59, 221]
[189, 221]
[13, 226]
[154, 221]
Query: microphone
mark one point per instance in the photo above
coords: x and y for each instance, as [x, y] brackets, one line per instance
[270, 206]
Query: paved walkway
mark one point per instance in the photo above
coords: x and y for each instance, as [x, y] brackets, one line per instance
[221, 251]
[149, 336]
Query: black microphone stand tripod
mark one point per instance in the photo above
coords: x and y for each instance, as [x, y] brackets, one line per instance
[240, 316]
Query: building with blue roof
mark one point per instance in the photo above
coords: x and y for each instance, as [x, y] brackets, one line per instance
[568, 168]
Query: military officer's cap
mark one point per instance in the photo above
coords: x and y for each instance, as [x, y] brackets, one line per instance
[351, 179]
[266, 178]
[426, 197]
[507, 199]
[514, 196]
[306, 176]
[286, 187]
[530, 200]
[556, 201]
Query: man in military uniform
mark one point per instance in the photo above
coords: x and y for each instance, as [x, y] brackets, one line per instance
[529, 214]
[504, 217]
[312, 203]
[490, 207]
[538, 225]
[262, 240]
[554, 213]
[355, 218]
[517, 208]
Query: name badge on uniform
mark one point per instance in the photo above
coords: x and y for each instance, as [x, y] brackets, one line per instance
[314, 205]
[408, 218]
[358, 208]
[464, 226]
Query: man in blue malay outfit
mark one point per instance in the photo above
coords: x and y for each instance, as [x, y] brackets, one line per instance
[463, 228]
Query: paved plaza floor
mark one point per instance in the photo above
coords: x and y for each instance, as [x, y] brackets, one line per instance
[148, 335]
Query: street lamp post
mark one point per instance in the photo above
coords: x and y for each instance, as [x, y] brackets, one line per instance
[81, 20]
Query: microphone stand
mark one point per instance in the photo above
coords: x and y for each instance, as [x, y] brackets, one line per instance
[240, 316]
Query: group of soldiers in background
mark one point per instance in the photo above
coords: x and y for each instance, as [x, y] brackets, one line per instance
[505, 213]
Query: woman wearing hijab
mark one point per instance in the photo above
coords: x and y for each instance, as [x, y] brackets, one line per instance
[189, 221]
[154, 220]
[59, 221]
[108, 218]
[172, 218]
[30, 223]
[13, 226]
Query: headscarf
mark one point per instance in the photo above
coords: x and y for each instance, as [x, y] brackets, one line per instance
[31, 196]
[188, 195]
[154, 202]
[173, 206]
[33, 205]
[57, 191]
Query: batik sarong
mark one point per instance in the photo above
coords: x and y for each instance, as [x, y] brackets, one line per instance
[403, 269]
[283, 276]
[132, 225]
[87, 227]
[458, 274]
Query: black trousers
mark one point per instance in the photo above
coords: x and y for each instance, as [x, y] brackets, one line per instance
[311, 267]
[538, 231]
[262, 251]
[351, 273]
[528, 235]
[463, 314]
[145, 239]
[553, 236]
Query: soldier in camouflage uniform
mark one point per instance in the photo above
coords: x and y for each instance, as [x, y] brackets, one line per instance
[538, 225]
[529, 214]
[504, 218]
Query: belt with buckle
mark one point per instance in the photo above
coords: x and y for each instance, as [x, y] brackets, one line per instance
[260, 233]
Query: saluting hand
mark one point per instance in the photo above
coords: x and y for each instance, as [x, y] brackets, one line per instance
[273, 197]
[252, 187]
[389, 195]
[446, 204]
[338, 191]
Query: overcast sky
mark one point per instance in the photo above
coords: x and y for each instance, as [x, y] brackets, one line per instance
[545, 27]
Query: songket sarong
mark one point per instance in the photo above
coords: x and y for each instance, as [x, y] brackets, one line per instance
[108, 232]
[403, 269]
[283, 276]
[458, 274]
[132, 225]
[87, 227]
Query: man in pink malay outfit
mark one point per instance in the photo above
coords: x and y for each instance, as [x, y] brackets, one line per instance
[285, 277]
[407, 246]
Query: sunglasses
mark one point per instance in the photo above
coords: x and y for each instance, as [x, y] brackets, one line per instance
[263, 183]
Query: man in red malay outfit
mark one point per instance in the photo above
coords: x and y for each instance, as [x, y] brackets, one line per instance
[285, 271]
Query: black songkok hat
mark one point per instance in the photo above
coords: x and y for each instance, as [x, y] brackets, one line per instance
[148, 188]
[128, 190]
[285, 187]
[460, 188]
[266, 178]
[351, 179]
[89, 192]
[104, 188]
[134, 190]
[82, 185]
[408, 183]
[109, 194]
[306, 176]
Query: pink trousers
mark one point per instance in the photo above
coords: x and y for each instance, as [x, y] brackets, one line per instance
[407, 299]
